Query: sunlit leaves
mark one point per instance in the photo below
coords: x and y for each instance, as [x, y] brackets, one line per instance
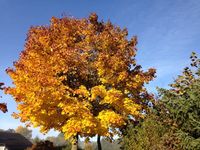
[75, 76]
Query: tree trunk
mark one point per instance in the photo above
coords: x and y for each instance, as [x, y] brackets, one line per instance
[99, 142]
[75, 143]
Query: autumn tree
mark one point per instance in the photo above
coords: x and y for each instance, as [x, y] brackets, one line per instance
[42, 145]
[3, 106]
[80, 77]
[27, 133]
[59, 140]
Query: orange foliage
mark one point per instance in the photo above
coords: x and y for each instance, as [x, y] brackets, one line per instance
[78, 76]
[3, 106]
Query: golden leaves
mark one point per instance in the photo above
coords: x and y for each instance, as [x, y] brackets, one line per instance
[74, 76]
[109, 118]
[74, 125]
[98, 91]
[82, 91]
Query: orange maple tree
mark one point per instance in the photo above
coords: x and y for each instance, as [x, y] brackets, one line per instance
[79, 76]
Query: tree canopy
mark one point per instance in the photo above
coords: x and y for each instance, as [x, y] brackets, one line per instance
[182, 102]
[173, 123]
[79, 76]
[27, 133]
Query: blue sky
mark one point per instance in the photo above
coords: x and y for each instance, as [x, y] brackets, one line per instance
[167, 31]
